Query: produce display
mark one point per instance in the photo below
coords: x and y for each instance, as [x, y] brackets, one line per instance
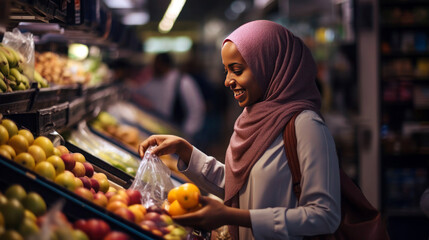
[126, 134]
[72, 172]
[108, 125]
[128, 112]
[61, 70]
[106, 151]
[12, 77]
[25, 215]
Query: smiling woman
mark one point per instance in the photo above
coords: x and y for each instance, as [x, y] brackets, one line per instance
[239, 77]
[272, 76]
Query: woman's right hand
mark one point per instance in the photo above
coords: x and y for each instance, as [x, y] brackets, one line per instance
[167, 144]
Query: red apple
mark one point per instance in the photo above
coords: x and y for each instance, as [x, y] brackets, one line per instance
[89, 169]
[96, 229]
[79, 169]
[86, 182]
[134, 196]
[69, 161]
[116, 236]
[85, 193]
[94, 184]
[125, 213]
[153, 216]
[148, 225]
[100, 199]
[81, 225]
[110, 194]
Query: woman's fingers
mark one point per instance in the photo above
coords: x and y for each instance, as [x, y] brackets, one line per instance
[150, 141]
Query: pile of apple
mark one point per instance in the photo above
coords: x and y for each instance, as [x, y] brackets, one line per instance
[24, 214]
[69, 170]
[127, 205]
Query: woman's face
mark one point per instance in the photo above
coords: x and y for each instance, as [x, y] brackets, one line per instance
[239, 77]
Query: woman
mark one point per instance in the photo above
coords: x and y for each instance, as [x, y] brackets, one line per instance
[272, 75]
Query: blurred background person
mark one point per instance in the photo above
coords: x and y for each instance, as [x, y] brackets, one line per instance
[174, 95]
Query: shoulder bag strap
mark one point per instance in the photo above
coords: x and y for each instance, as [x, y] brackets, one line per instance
[290, 144]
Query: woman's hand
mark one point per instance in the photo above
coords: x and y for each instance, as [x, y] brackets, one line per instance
[214, 214]
[167, 144]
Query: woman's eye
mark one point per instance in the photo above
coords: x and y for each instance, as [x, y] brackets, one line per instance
[238, 72]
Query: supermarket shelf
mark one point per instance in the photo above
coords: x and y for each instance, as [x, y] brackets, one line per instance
[114, 174]
[75, 206]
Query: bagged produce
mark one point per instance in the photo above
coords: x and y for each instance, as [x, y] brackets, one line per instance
[152, 180]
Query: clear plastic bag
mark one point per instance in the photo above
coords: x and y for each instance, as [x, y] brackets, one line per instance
[152, 180]
[22, 43]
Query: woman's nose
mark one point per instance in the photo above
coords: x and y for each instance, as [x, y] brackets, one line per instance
[229, 83]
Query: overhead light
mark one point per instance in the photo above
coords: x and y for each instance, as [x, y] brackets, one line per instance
[78, 51]
[135, 18]
[119, 4]
[167, 44]
[171, 15]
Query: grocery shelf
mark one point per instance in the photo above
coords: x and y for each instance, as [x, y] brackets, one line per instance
[75, 207]
[16, 102]
[114, 174]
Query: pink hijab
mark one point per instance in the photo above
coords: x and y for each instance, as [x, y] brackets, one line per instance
[286, 71]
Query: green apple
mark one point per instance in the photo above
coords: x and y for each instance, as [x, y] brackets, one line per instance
[35, 203]
[58, 163]
[45, 169]
[66, 180]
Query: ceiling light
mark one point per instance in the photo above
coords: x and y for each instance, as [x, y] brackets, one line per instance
[119, 4]
[171, 15]
[78, 51]
[167, 44]
[135, 18]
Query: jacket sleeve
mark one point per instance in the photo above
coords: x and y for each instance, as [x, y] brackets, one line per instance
[205, 171]
[319, 210]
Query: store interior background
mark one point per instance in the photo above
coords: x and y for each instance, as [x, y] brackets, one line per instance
[373, 78]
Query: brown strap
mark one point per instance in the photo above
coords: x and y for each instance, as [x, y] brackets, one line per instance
[290, 144]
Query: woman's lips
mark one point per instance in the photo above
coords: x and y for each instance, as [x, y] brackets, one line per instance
[238, 94]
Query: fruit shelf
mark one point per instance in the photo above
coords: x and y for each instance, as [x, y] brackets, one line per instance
[118, 176]
[43, 121]
[170, 160]
[75, 207]
[19, 101]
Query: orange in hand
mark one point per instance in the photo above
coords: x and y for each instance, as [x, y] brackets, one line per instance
[187, 195]
[172, 195]
[176, 209]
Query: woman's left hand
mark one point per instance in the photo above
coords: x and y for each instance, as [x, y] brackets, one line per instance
[209, 217]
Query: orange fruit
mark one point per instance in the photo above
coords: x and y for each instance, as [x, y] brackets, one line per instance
[9, 149]
[37, 152]
[28, 135]
[4, 135]
[176, 209]
[19, 143]
[187, 195]
[172, 195]
[10, 126]
[46, 144]
[112, 206]
[26, 160]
